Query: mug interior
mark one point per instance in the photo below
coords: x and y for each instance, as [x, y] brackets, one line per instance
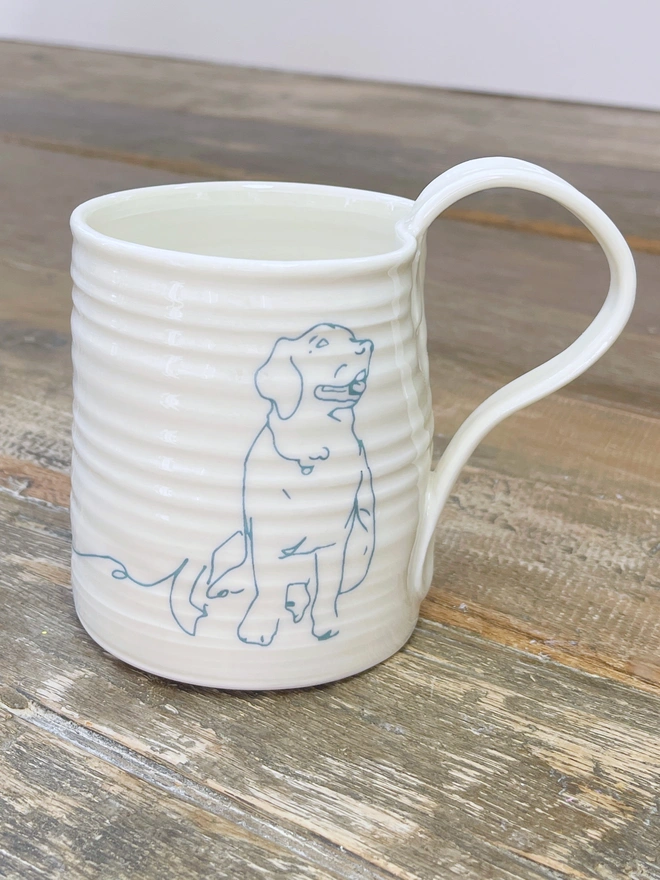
[253, 221]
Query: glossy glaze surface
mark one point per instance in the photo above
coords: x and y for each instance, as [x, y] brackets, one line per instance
[251, 449]
[252, 499]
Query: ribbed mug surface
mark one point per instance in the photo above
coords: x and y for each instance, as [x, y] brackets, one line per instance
[252, 439]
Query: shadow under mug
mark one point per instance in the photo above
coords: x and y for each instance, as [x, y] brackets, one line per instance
[253, 500]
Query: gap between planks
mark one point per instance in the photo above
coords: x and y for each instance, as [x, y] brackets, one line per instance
[35, 484]
[318, 850]
[546, 228]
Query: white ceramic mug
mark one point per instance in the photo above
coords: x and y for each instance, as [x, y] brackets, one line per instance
[253, 504]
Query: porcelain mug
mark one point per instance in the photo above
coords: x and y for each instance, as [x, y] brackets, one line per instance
[253, 501]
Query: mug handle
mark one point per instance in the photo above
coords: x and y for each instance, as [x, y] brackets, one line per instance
[455, 184]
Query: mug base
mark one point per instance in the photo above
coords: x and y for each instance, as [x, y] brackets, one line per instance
[255, 676]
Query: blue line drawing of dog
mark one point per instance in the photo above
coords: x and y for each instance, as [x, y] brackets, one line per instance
[308, 501]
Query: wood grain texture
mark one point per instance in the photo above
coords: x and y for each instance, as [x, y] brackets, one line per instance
[213, 121]
[28, 480]
[77, 813]
[41, 238]
[454, 755]
[622, 138]
[255, 148]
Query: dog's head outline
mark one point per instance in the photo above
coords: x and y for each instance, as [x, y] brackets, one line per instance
[282, 381]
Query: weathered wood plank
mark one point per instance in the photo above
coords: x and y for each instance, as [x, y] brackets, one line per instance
[41, 237]
[26, 479]
[573, 578]
[68, 812]
[35, 375]
[256, 148]
[455, 754]
[33, 297]
[552, 130]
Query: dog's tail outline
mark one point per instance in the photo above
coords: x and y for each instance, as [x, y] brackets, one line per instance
[186, 608]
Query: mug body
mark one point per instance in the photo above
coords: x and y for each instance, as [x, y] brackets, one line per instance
[252, 430]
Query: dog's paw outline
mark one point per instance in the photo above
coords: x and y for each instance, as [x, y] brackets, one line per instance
[324, 631]
[297, 600]
[256, 631]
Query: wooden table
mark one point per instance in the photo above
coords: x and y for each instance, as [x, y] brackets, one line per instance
[517, 735]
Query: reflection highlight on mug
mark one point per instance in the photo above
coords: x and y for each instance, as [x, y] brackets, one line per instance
[303, 551]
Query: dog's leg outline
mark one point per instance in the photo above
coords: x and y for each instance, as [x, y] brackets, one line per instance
[297, 599]
[262, 619]
[192, 586]
[327, 571]
[361, 540]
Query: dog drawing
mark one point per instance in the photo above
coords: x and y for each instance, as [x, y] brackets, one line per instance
[308, 500]
[308, 530]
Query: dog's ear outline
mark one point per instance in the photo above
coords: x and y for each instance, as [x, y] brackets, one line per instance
[279, 379]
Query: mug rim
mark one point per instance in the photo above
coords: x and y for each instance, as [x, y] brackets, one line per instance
[86, 234]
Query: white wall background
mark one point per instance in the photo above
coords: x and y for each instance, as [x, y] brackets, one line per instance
[602, 51]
